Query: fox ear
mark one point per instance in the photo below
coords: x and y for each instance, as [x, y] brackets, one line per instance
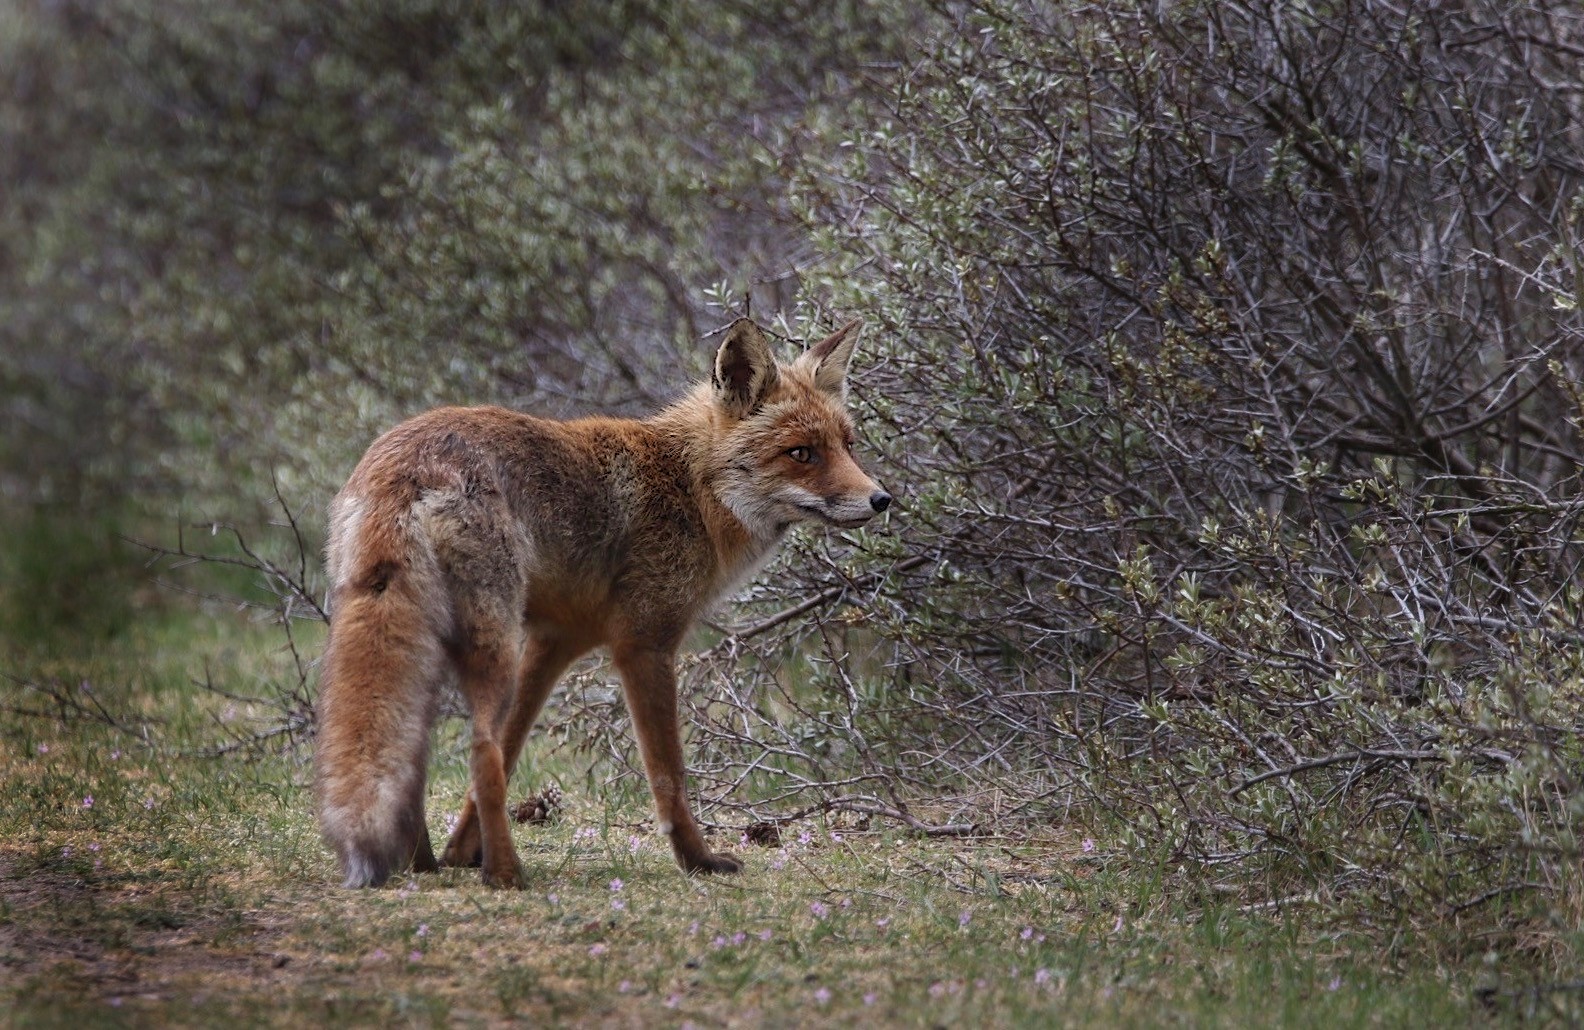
[828, 359]
[745, 370]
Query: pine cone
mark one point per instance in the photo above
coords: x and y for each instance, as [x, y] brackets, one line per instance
[540, 807]
[766, 835]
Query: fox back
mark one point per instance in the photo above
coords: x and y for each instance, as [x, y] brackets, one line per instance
[491, 548]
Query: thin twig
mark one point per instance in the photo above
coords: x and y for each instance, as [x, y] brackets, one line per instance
[1338, 759]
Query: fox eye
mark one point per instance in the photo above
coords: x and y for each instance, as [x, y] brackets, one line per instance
[801, 455]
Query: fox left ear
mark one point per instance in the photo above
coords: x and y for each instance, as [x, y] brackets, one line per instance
[745, 369]
[828, 359]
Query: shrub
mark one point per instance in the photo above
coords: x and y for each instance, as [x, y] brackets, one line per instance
[1234, 396]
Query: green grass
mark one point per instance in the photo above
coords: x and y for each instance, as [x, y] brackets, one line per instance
[193, 890]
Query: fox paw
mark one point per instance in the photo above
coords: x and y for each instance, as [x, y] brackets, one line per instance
[462, 856]
[712, 862]
[511, 877]
[465, 849]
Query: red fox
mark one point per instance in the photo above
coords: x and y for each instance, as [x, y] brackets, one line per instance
[496, 548]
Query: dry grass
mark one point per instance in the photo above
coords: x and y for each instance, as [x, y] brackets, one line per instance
[192, 890]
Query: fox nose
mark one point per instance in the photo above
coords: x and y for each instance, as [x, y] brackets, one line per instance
[879, 501]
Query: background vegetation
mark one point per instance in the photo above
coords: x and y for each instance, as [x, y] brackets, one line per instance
[1227, 360]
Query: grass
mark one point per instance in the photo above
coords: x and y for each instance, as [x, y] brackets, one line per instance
[142, 883]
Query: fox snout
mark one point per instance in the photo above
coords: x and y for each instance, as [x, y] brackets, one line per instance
[850, 508]
[878, 502]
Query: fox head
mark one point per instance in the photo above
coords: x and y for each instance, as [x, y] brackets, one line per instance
[784, 449]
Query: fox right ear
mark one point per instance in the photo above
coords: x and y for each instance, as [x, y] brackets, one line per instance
[745, 369]
[828, 359]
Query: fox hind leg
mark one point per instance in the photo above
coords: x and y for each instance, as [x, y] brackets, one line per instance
[423, 857]
[488, 667]
[543, 663]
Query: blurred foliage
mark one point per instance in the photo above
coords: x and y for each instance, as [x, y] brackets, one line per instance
[240, 239]
[65, 578]
[237, 241]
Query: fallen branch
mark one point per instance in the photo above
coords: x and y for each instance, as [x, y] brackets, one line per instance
[70, 704]
[873, 806]
[1493, 893]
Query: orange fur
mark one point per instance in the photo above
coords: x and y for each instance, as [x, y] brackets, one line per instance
[494, 548]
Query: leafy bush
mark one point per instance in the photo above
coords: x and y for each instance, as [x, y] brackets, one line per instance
[1235, 386]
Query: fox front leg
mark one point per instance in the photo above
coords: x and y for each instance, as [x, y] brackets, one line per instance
[649, 681]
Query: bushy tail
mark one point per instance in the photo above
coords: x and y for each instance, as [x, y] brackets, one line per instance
[379, 688]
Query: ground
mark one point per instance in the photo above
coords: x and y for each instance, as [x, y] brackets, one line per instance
[144, 881]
